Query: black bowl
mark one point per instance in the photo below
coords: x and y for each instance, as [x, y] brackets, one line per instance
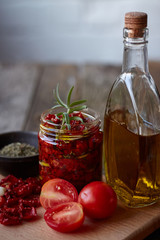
[19, 166]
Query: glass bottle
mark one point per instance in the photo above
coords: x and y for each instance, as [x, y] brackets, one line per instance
[74, 155]
[132, 122]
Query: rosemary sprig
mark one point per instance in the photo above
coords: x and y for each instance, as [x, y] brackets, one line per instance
[70, 108]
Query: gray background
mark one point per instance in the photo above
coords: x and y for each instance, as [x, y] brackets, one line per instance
[74, 31]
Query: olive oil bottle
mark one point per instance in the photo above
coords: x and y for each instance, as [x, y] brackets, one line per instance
[132, 122]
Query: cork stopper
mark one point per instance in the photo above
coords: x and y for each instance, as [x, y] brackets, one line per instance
[136, 22]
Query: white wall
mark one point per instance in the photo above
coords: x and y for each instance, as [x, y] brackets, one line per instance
[76, 31]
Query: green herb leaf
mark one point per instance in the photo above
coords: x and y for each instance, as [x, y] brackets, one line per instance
[58, 98]
[66, 116]
[79, 108]
[76, 119]
[67, 120]
[69, 96]
[77, 103]
[56, 106]
[68, 126]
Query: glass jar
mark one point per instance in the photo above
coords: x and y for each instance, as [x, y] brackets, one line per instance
[74, 155]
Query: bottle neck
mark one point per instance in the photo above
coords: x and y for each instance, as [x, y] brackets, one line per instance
[135, 51]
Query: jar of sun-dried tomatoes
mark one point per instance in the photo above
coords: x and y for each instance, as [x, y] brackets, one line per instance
[73, 154]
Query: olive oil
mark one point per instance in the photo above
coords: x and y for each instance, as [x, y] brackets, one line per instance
[132, 161]
[132, 122]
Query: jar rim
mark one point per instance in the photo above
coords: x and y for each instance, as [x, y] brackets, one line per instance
[92, 114]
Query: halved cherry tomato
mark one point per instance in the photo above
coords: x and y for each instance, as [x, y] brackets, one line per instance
[98, 200]
[65, 217]
[56, 191]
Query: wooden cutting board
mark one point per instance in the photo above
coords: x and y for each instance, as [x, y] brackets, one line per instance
[126, 224]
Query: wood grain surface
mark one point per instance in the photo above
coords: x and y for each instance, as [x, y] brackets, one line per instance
[90, 82]
[25, 92]
[17, 85]
[125, 224]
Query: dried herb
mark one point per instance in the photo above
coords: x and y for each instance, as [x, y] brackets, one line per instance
[70, 108]
[18, 149]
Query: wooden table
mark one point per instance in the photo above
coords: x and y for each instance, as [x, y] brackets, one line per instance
[25, 92]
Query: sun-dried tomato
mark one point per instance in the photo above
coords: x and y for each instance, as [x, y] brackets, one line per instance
[9, 179]
[23, 191]
[12, 202]
[7, 219]
[20, 199]
[2, 201]
[28, 213]
[31, 202]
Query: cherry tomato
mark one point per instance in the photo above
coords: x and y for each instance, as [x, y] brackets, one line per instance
[98, 200]
[56, 191]
[65, 217]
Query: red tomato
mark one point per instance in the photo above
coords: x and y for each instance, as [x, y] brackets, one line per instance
[98, 200]
[65, 217]
[56, 191]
